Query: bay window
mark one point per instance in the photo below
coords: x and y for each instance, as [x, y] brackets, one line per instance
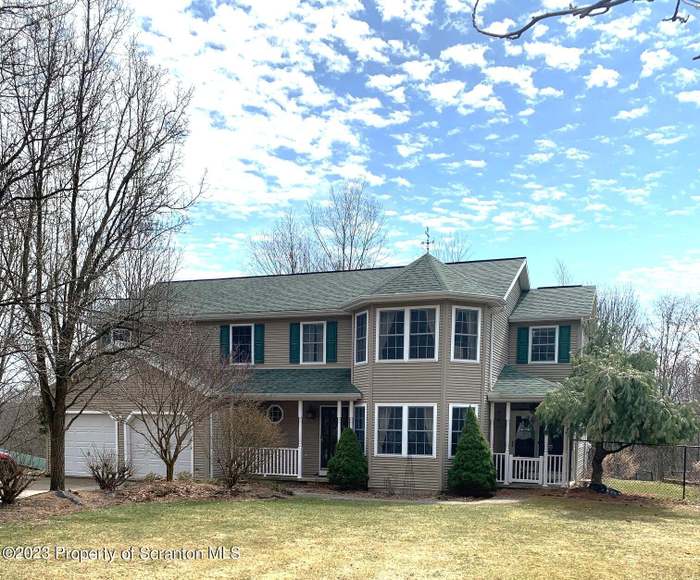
[466, 325]
[407, 334]
[406, 430]
[361, 338]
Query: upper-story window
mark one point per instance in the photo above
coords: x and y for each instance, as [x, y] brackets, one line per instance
[361, 338]
[466, 326]
[241, 343]
[416, 340]
[117, 337]
[313, 340]
[544, 343]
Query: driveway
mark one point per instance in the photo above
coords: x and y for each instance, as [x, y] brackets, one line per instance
[41, 485]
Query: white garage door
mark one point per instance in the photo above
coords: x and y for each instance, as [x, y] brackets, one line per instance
[145, 459]
[88, 432]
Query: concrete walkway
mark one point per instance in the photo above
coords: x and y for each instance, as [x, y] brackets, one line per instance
[41, 485]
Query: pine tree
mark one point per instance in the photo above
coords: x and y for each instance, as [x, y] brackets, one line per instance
[347, 468]
[472, 472]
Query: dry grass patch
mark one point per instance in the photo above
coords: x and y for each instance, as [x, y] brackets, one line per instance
[553, 537]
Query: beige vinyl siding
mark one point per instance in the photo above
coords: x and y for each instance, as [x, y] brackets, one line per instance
[277, 340]
[549, 371]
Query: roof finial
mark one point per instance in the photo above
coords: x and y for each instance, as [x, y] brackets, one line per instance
[427, 241]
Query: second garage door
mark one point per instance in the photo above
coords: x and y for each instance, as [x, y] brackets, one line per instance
[145, 460]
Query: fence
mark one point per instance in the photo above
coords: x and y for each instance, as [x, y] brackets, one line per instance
[660, 471]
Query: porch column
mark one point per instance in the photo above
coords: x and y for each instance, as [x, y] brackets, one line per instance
[351, 415]
[545, 467]
[509, 462]
[565, 476]
[300, 455]
[491, 414]
[340, 417]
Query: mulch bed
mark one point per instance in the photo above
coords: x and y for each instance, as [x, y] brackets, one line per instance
[44, 505]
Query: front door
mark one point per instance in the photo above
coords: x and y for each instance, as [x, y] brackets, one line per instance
[329, 433]
[523, 435]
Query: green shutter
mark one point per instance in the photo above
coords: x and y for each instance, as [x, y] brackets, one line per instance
[331, 341]
[225, 342]
[565, 344]
[523, 345]
[294, 342]
[259, 357]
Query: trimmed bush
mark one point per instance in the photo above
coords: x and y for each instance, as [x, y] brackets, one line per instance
[472, 472]
[347, 469]
[14, 479]
[106, 470]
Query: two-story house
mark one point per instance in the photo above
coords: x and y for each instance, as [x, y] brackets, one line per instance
[396, 353]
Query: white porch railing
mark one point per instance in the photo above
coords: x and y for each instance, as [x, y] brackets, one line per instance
[547, 470]
[278, 461]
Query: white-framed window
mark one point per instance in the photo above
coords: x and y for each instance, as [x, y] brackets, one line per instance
[408, 334]
[275, 414]
[313, 343]
[360, 426]
[458, 416]
[466, 334]
[241, 346]
[405, 429]
[544, 344]
[361, 338]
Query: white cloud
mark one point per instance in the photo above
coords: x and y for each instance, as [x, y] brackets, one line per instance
[401, 181]
[480, 97]
[602, 77]
[539, 157]
[545, 144]
[555, 55]
[385, 83]
[410, 143]
[526, 112]
[686, 76]
[689, 97]
[466, 54]
[674, 275]
[521, 78]
[655, 60]
[445, 93]
[415, 12]
[632, 113]
[419, 70]
[665, 136]
[576, 154]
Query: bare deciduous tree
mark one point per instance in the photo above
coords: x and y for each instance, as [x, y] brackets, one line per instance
[586, 10]
[350, 228]
[562, 273]
[244, 429]
[619, 320]
[94, 211]
[674, 340]
[456, 248]
[176, 384]
[286, 248]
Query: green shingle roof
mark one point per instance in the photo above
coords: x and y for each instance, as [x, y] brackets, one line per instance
[513, 384]
[555, 303]
[330, 291]
[311, 382]
[428, 274]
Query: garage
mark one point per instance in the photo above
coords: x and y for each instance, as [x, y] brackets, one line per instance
[89, 431]
[145, 460]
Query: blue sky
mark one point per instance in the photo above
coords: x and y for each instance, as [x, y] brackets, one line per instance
[578, 141]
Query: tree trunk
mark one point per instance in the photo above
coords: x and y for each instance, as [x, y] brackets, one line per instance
[169, 471]
[598, 456]
[57, 460]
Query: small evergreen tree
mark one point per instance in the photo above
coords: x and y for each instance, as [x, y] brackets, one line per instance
[472, 472]
[347, 468]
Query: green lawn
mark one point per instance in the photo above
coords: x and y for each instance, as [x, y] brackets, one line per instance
[658, 489]
[548, 537]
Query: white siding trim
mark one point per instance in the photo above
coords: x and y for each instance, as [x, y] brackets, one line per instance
[556, 346]
[475, 406]
[404, 429]
[478, 335]
[517, 277]
[407, 334]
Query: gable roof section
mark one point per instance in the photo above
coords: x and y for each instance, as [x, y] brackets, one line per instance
[331, 292]
[555, 303]
[514, 385]
[294, 384]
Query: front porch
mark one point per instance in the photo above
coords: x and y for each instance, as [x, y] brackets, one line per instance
[311, 407]
[523, 452]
